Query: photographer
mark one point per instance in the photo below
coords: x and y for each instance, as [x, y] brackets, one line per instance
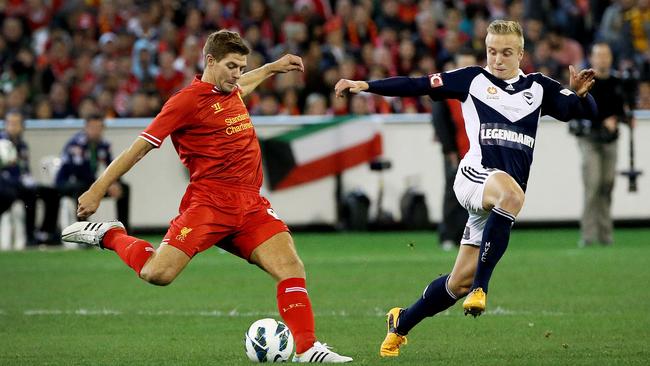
[598, 146]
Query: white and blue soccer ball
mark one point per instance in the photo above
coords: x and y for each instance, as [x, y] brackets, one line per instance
[268, 340]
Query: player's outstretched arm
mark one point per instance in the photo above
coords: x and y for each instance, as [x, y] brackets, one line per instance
[398, 86]
[345, 86]
[250, 80]
[89, 201]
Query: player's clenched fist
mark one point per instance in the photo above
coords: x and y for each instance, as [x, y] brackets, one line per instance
[287, 63]
[88, 204]
[345, 86]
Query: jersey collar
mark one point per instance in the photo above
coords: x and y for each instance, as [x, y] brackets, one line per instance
[198, 82]
[509, 81]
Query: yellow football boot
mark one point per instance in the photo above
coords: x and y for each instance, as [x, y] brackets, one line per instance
[392, 342]
[475, 302]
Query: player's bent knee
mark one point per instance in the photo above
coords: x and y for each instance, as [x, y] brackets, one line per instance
[290, 268]
[157, 276]
[512, 200]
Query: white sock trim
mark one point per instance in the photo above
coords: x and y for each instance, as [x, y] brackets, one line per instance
[449, 292]
[504, 213]
[295, 289]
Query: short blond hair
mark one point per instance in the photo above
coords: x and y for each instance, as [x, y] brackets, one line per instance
[500, 26]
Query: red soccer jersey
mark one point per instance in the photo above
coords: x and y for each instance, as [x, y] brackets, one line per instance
[212, 134]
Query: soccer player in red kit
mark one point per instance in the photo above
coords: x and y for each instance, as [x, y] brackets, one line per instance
[215, 139]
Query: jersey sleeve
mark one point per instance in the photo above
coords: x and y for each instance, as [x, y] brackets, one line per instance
[563, 104]
[446, 85]
[173, 116]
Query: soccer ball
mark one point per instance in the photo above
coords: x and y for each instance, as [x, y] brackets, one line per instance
[8, 153]
[268, 340]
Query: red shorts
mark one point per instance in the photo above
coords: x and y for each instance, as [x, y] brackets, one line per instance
[236, 220]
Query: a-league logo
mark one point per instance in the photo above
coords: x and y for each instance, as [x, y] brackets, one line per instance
[435, 80]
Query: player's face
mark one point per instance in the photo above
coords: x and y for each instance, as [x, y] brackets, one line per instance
[601, 58]
[504, 52]
[226, 72]
[94, 129]
[14, 125]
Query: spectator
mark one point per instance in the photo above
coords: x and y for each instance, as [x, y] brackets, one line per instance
[59, 101]
[85, 155]
[87, 107]
[611, 25]
[360, 29]
[105, 104]
[18, 183]
[269, 105]
[597, 141]
[139, 105]
[43, 110]
[144, 68]
[359, 105]
[564, 50]
[43, 42]
[169, 80]
[449, 127]
[643, 101]
[290, 102]
[316, 104]
[636, 28]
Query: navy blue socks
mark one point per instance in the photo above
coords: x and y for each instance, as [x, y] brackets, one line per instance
[496, 235]
[436, 298]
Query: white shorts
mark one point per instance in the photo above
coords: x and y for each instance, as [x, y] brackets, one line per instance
[468, 186]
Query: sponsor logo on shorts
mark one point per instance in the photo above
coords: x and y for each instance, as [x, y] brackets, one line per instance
[184, 232]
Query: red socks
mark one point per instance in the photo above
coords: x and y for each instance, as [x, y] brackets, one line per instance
[133, 251]
[295, 309]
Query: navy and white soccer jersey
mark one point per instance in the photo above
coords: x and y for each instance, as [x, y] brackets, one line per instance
[501, 116]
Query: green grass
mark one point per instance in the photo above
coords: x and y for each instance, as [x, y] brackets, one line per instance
[550, 304]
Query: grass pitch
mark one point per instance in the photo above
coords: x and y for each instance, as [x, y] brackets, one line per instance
[550, 304]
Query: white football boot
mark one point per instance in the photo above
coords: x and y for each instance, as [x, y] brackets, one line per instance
[91, 233]
[320, 353]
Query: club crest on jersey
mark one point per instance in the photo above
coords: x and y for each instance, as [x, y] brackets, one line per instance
[528, 97]
[184, 232]
[435, 80]
[217, 108]
[492, 92]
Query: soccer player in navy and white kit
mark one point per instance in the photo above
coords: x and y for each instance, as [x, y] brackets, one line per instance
[215, 139]
[501, 107]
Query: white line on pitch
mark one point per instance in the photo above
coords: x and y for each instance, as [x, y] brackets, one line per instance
[233, 313]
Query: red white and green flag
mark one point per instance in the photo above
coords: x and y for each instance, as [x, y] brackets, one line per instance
[318, 150]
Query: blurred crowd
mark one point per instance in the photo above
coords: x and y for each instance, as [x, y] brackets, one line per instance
[124, 58]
